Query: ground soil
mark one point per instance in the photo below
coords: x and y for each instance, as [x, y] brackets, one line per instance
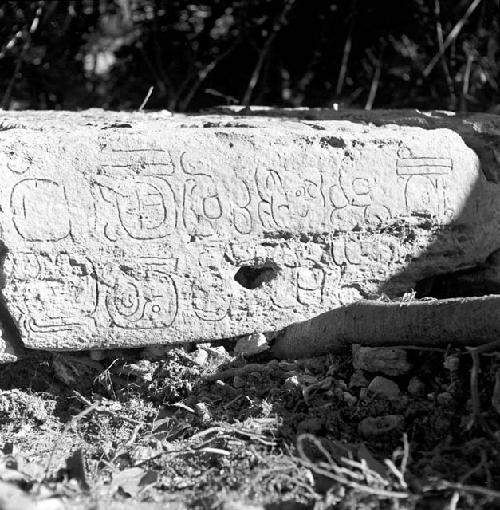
[201, 428]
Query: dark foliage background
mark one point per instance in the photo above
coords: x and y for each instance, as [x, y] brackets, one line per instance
[76, 54]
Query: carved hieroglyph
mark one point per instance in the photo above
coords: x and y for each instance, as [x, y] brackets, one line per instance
[126, 230]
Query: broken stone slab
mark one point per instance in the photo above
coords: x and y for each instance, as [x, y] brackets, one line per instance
[125, 230]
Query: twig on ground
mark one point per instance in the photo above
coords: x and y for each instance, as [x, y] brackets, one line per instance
[474, 390]
[406, 455]
[474, 386]
[102, 408]
[454, 500]
[472, 489]
[344, 475]
[482, 464]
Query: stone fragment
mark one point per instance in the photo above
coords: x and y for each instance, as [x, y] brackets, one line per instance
[452, 362]
[200, 356]
[349, 399]
[416, 387]
[389, 361]
[445, 399]
[238, 381]
[358, 380]
[203, 412]
[380, 426]
[142, 369]
[251, 344]
[383, 387]
[291, 383]
[199, 228]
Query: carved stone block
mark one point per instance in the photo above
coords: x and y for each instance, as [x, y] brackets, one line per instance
[122, 230]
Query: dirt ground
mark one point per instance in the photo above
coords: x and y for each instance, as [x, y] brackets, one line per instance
[202, 428]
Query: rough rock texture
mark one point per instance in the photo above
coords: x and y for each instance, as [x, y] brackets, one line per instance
[132, 229]
[384, 387]
[384, 360]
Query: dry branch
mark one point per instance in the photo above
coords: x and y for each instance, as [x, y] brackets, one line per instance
[462, 321]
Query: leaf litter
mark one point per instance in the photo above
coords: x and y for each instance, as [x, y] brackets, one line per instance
[207, 428]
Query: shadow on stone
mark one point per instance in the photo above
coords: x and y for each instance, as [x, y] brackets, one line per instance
[13, 346]
[482, 278]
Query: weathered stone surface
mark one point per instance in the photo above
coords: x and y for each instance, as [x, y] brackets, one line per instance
[134, 229]
[383, 387]
[385, 360]
[251, 344]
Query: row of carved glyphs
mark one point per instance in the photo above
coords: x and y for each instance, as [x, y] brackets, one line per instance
[61, 291]
[149, 199]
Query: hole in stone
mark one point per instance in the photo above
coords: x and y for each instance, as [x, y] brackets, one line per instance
[252, 277]
[476, 281]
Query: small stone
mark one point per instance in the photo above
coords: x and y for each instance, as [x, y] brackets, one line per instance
[349, 399]
[358, 380]
[445, 399]
[341, 384]
[337, 393]
[385, 360]
[373, 428]
[203, 412]
[238, 381]
[142, 369]
[383, 387]
[416, 387]
[219, 352]
[251, 344]
[291, 383]
[200, 356]
[452, 362]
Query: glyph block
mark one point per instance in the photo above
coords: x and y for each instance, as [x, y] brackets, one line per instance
[122, 230]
